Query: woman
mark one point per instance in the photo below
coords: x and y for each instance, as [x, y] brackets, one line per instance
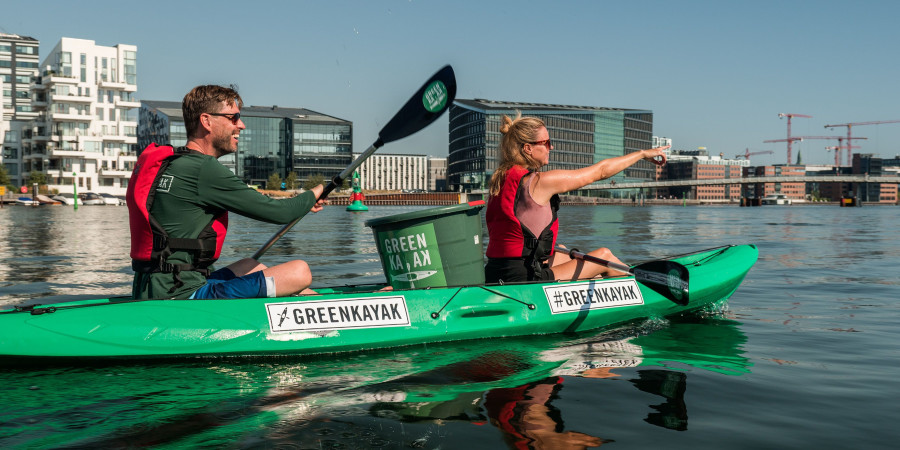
[521, 212]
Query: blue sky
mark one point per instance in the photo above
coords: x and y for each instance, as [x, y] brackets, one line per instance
[716, 74]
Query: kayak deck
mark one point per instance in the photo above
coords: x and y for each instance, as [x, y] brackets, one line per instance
[353, 318]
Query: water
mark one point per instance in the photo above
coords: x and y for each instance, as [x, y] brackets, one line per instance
[805, 356]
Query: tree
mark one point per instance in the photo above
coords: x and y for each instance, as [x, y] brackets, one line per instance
[4, 177]
[313, 181]
[36, 177]
[274, 182]
[291, 181]
[799, 158]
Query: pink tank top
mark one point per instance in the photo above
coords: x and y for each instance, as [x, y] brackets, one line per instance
[530, 214]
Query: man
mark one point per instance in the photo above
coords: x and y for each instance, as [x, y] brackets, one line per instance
[178, 201]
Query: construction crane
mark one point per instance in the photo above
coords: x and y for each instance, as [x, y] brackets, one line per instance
[839, 147]
[840, 140]
[837, 152]
[853, 124]
[747, 153]
[789, 140]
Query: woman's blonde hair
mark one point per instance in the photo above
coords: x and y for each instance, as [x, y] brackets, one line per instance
[516, 133]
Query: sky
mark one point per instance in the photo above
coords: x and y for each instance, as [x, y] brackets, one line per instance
[716, 74]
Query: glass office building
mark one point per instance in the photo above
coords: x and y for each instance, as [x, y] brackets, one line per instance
[276, 140]
[582, 135]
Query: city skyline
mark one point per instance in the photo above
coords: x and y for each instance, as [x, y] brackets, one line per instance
[715, 75]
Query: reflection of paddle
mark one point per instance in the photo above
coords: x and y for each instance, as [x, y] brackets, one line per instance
[423, 108]
[668, 278]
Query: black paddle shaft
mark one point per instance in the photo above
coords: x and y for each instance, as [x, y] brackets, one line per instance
[667, 278]
[423, 108]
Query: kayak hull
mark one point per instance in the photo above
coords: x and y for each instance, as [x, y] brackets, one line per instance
[354, 318]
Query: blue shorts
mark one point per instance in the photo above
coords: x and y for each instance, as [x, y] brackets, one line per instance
[224, 284]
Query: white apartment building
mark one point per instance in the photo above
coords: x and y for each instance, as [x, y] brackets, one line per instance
[392, 172]
[85, 132]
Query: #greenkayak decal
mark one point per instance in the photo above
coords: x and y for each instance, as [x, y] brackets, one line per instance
[410, 256]
[340, 314]
[598, 294]
[435, 96]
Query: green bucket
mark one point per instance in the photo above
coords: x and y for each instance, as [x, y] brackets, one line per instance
[431, 248]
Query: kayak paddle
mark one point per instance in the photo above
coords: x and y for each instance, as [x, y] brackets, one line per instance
[668, 278]
[423, 108]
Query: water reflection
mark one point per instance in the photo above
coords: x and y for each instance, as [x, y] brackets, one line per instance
[510, 386]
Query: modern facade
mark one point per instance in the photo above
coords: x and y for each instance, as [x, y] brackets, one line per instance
[18, 65]
[437, 174]
[84, 132]
[792, 190]
[393, 172]
[276, 140]
[699, 165]
[582, 135]
[872, 165]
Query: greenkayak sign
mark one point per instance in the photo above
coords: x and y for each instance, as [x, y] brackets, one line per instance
[600, 294]
[411, 257]
[435, 97]
[338, 314]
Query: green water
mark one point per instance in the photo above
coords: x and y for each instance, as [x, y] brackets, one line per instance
[803, 356]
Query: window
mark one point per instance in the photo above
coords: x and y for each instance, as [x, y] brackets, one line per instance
[26, 50]
[130, 67]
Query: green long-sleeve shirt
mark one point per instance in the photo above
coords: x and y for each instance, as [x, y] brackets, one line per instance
[194, 189]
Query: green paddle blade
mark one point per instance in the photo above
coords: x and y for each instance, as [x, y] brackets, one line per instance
[667, 278]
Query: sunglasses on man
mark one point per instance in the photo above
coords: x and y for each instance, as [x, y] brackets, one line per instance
[233, 117]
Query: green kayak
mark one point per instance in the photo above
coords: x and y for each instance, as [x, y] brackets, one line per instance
[354, 318]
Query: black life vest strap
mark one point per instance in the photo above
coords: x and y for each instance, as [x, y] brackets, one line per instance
[150, 267]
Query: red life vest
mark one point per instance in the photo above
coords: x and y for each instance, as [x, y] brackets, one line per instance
[150, 243]
[508, 237]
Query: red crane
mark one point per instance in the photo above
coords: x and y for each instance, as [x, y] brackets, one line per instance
[801, 138]
[837, 151]
[850, 126]
[789, 140]
[747, 153]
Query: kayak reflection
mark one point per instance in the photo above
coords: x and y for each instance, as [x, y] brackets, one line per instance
[524, 412]
[510, 386]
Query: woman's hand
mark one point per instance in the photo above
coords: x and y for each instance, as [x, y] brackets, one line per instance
[656, 155]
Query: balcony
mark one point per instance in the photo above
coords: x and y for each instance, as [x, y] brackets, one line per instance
[114, 173]
[63, 79]
[71, 152]
[119, 138]
[34, 154]
[70, 116]
[37, 137]
[127, 103]
[113, 85]
[71, 98]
